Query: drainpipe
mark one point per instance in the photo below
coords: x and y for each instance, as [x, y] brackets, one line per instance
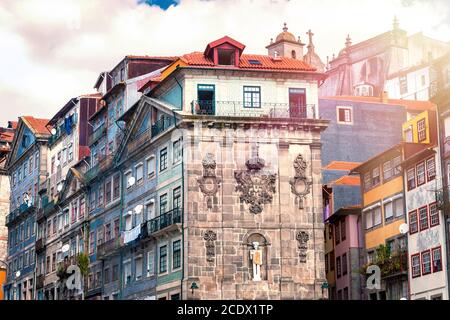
[184, 200]
[120, 228]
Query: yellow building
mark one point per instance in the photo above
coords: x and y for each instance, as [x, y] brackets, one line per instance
[383, 212]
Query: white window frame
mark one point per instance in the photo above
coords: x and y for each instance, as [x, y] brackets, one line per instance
[350, 108]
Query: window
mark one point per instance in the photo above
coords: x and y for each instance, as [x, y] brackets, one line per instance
[149, 211]
[74, 211]
[388, 212]
[36, 160]
[151, 166]
[426, 262]
[54, 224]
[139, 173]
[434, 215]
[337, 233]
[326, 263]
[421, 131]
[91, 242]
[82, 208]
[369, 219]
[344, 264]
[163, 204]
[54, 261]
[106, 274]
[176, 198]
[70, 152]
[100, 234]
[47, 264]
[93, 201]
[108, 235]
[387, 170]
[345, 115]
[108, 193]
[415, 265]
[411, 178]
[413, 223]
[376, 216]
[175, 296]
[437, 260]
[375, 176]
[30, 165]
[293, 54]
[163, 259]
[367, 181]
[423, 218]
[339, 295]
[338, 267]
[420, 169]
[163, 159]
[150, 263]
[409, 134]
[176, 151]
[343, 231]
[115, 272]
[138, 265]
[176, 254]
[225, 56]
[116, 187]
[398, 207]
[100, 196]
[127, 271]
[396, 164]
[252, 97]
[431, 169]
[116, 228]
[403, 85]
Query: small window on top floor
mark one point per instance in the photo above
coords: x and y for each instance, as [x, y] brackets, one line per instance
[421, 130]
[344, 115]
[293, 54]
[226, 57]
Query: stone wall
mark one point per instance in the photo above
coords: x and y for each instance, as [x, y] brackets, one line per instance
[219, 228]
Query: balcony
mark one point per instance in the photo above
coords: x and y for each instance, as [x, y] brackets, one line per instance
[161, 125]
[396, 265]
[261, 110]
[166, 222]
[108, 247]
[39, 245]
[47, 206]
[104, 163]
[97, 134]
[18, 213]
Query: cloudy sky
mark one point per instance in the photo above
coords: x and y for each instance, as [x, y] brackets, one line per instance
[52, 50]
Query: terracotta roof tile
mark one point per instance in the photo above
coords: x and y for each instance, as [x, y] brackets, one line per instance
[262, 62]
[408, 104]
[341, 165]
[38, 126]
[347, 181]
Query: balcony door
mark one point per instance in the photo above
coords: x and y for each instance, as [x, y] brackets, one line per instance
[297, 102]
[205, 99]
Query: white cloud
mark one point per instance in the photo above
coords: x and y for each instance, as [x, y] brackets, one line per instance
[52, 50]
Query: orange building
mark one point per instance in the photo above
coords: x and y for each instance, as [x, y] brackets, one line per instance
[2, 281]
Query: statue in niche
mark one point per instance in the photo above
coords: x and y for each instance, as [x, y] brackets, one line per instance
[257, 261]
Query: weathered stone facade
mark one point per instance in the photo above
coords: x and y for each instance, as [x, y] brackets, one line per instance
[218, 237]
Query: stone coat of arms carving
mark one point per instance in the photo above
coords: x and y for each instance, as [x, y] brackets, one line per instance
[255, 184]
[302, 238]
[300, 186]
[209, 183]
[210, 237]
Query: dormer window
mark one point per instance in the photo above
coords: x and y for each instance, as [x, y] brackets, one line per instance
[226, 57]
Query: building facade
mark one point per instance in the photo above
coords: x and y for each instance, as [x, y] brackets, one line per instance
[27, 165]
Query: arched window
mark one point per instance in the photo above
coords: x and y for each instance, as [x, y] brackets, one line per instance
[293, 54]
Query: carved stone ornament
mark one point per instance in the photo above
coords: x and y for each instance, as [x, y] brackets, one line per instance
[300, 186]
[302, 238]
[210, 236]
[209, 183]
[256, 185]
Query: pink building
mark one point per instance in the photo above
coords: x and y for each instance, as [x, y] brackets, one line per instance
[346, 223]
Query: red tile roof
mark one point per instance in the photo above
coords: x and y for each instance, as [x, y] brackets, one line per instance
[341, 165]
[6, 135]
[408, 104]
[347, 181]
[266, 62]
[38, 126]
[170, 58]
[142, 84]
[223, 40]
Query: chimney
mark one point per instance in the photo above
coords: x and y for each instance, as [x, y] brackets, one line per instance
[384, 97]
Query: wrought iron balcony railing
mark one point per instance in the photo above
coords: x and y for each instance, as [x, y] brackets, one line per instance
[39, 245]
[18, 212]
[161, 125]
[164, 220]
[254, 109]
[97, 134]
[103, 164]
[108, 247]
[139, 140]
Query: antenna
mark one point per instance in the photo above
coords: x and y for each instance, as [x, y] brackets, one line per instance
[53, 132]
[404, 228]
[138, 208]
[65, 248]
[131, 181]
